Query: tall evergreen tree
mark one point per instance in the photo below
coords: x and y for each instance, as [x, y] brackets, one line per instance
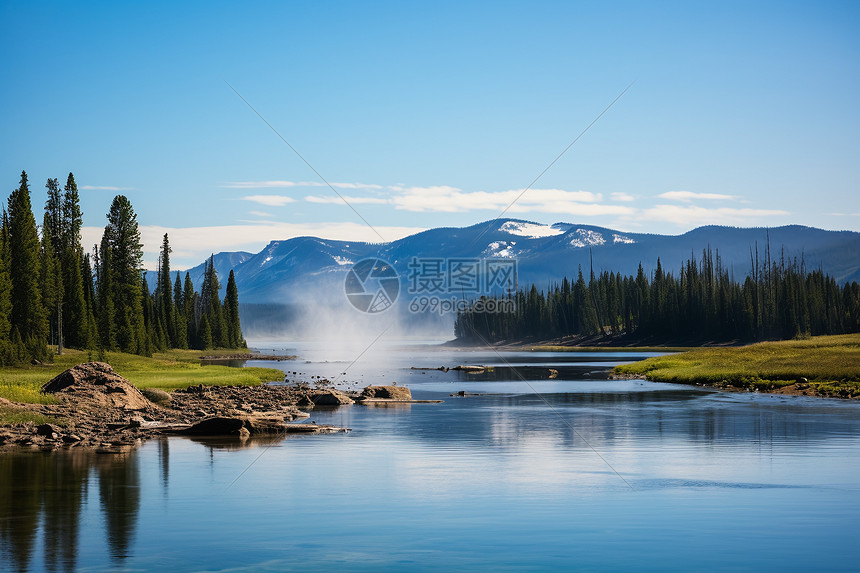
[28, 313]
[78, 329]
[92, 338]
[72, 217]
[52, 286]
[53, 222]
[106, 309]
[231, 314]
[180, 326]
[126, 258]
[192, 316]
[153, 332]
[205, 334]
[7, 353]
[55, 289]
[164, 307]
[211, 304]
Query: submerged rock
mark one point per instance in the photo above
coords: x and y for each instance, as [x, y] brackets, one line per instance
[215, 427]
[255, 425]
[387, 393]
[330, 398]
[470, 369]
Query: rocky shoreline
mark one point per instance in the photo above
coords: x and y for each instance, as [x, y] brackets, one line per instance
[97, 408]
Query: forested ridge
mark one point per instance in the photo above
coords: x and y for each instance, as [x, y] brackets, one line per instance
[780, 299]
[53, 292]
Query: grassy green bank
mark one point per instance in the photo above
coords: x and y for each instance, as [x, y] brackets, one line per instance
[830, 365]
[164, 370]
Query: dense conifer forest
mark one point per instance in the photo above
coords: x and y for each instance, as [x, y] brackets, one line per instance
[52, 292]
[780, 299]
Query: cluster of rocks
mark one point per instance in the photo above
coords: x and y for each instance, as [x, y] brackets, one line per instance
[96, 407]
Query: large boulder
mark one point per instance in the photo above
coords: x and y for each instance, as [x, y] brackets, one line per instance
[387, 393]
[97, 382]
[330, 398]
[217, 426]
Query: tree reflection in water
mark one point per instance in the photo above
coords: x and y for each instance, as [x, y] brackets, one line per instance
[46, 492]
[119, 492]
[50, 489]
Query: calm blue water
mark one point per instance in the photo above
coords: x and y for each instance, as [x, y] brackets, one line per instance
[572, 473]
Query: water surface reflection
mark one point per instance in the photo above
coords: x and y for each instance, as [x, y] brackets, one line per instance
[508, 479]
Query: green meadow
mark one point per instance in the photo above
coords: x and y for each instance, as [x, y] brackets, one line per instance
[830, 364]
[167, 370]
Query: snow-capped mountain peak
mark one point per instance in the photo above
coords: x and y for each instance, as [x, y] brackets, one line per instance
[531, 230]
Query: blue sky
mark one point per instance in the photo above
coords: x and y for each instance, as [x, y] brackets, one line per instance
[433, 114]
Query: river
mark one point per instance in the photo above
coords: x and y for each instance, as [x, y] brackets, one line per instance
[525, 472]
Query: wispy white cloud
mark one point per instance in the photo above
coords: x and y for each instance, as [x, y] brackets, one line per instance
[269, 200]
[356, 186]
[688, 196]
[690, 216]
[449, 199]
[260, 213]
[104, 188]
[357, 200]
[446, 199]
[622, 197]
[271, 184]
[291, 184]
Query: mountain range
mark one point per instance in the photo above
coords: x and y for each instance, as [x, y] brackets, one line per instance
[294, 271]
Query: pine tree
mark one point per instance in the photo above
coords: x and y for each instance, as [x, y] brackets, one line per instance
[72, 217]
[231, 314]
[122, 240]
[7, 353]
[191, 314]
[180, 326]
[76, 320]
[105, 297]
[177, 295]
[28, 314]
[205, 334]
[77, 326]
[91, 338]
[52, 286]
[164, 295]
[53, 222]
[153, 332]
[211, 304]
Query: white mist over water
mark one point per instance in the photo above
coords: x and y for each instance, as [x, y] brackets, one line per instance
[340, 327]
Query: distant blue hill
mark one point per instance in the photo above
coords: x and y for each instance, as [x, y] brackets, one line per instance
[309, 271]
[545, 253]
